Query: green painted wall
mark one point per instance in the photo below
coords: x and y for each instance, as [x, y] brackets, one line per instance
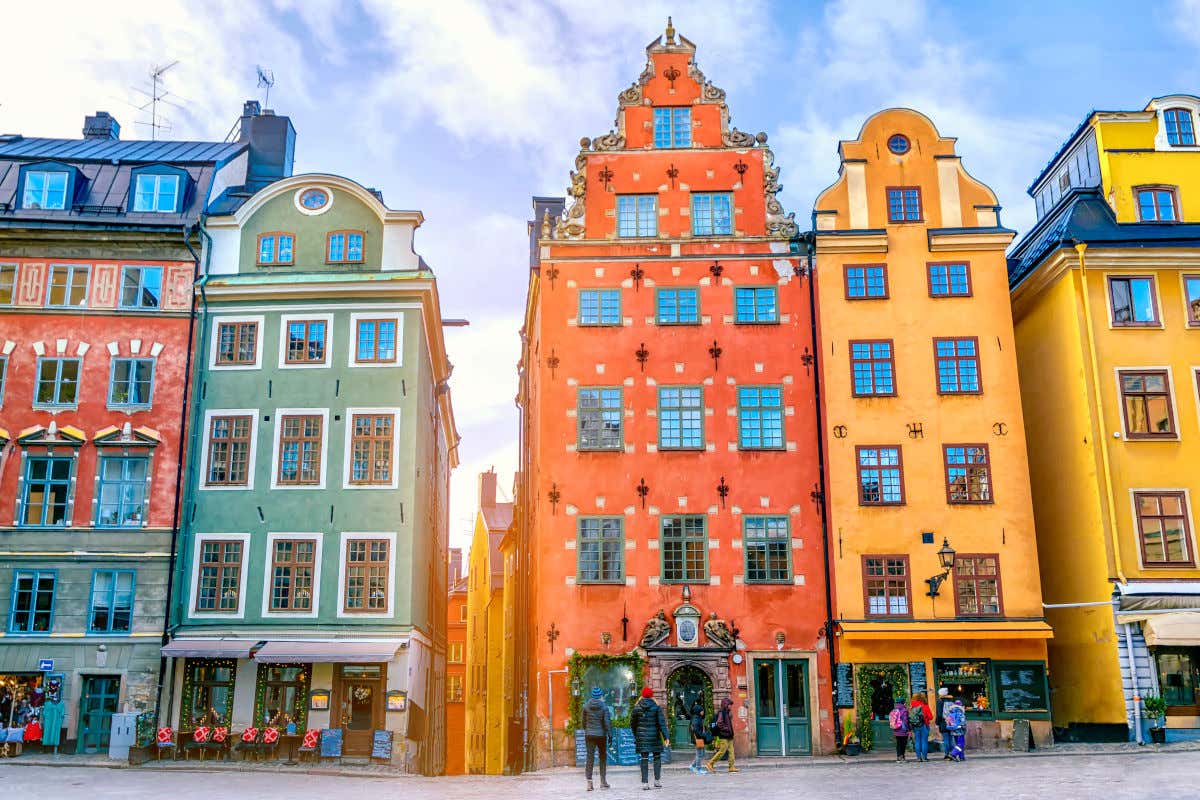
[280, 214]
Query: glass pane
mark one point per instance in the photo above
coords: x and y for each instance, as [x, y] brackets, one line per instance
[767, 689]
[793, 677]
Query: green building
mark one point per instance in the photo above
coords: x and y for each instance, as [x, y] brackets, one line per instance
[312, 565]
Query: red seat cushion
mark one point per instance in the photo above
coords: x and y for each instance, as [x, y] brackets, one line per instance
[250, 734]
[165, 735]
[201, 734]
[271, 736]
[219, 735]
[311, 737]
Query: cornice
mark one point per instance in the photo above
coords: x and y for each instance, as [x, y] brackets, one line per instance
[942, 241]
[852, 242]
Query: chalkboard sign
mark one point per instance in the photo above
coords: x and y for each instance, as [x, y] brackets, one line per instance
[1022, 688]
[580, 748]
[623, 750]
[845, 686]
[331, 743]
[917, 680]
[381, 745]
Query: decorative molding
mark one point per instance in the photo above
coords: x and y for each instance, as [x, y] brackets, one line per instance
[780, 225]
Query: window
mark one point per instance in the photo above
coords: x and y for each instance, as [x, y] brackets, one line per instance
[141, 287]
[157, 193]
[673, 127]
[46, 493]
[371, 449]
[1179, 678]
[600, 419]
[1162, 519]
[680, 417]
[219, 583]
[462, 613]
[58, 382]
[292, 562]
[880, 476]
[111, 609]
[305, 342]
[866, 282]
[229, 451]
[32, 605]
[1133, 300]
[637, 215]
[131, 382]
[760, 417]
[682, 306]
[210, 688]
[122, 488]
[977, 585]
[456, 653]
[904, 204]
[454, 688]
[898, 143]
[873, 368]
[68, 285]
[1191, 296]
[237, 343]
[1146, 399]
[712, 214]
[756, 304]
[599, 306]
[968, 473]
[8, 284]
[276, 249]
[768, 549]
[949, 280]
[1180, 132]
[3, 373]
[282, 689]
[376, 341]
[957, 365]
[300, 449]
[1156, 203]
[45, 190]
[366, 575]
[600, 550]
[886, 586]
[345, 247]
[684, 549]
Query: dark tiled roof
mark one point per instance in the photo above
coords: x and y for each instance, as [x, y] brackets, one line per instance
[141, 151]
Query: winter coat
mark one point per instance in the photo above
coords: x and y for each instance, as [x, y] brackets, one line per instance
[597, 719]
[926, 714]
[956, 718]
[723, 724]
[699, 729]
[649, 726]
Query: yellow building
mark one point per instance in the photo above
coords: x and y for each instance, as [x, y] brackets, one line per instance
[1106, 301]
[926, 459]
[488, 703]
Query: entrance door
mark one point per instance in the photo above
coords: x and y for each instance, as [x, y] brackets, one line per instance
[687, 686]
[96, 707]
[359, 695]
[783, 726]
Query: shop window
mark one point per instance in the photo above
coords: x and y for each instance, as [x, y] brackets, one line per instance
[276, 249]
[1179, 679]
[682, 306]
[681, 417]
[767, 543]
[1162, 519]
[292, 567]
[1180, 131]
[45, 189]
[977, 585]
[887, 586]
[229, 451]
[122, 489]
[866, 282]
[207, 697]
[371, 444]
[1191, 296]
[32, 605]
[281, 695]
[376, 341]
[957, 365]
[637, 215]
[880, 476]
[672, 126]
[1146, 402]
[684, 548]
[904, 204]
[949, 280]
[599, 307]
[131, 382]
[756, 304]
[367, 571]
[712, 214]
[599, 415]
[219, 583]
[111, 609]
[873, 368]
[46, 492]
[1133, 301]
[8, 284]
[57, 382]
[969, 681]
[68, 286]
[300, 449]
[600, 550]
[305, 342]
[344, 247]
[237, 344]
[968, 473]
[141, 287]
[760, 418]
[1021, 688]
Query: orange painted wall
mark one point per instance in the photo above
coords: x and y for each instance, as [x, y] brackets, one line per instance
[456, 641]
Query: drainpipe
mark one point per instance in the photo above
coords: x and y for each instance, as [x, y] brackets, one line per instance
[550, 699]
[1133, 680]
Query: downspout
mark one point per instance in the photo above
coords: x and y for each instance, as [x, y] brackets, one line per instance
[1133, 684]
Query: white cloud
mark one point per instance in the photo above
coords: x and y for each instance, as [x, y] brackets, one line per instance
[485, 357]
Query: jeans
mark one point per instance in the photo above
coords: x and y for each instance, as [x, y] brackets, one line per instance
[596, 748]
[644, 760]
[921, 741]
[699, 761]
[901, 744]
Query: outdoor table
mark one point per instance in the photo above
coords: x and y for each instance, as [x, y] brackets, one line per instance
[292, 742]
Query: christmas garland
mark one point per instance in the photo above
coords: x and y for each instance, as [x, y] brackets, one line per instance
[895, 674]
[578, 664]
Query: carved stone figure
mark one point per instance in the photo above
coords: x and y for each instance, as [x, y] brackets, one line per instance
[656, 630]
[735, 138]
[631, 96]
[718, 632]
[609, 141]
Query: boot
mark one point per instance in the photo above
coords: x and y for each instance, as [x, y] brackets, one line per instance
[657, 785]
[603, 784]
[589, 786]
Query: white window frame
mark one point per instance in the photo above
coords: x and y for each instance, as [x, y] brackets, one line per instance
[348, 460]
[158, 178]
[285, 319]
[269, 575]
[279, 414]
[228, 412]
[358, 316]
[343, 539]
[41, 206]
[213, 342]
[197, 547]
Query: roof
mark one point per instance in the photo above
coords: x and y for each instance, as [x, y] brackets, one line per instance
[1063, 148]
[498, 517]
[143, 151]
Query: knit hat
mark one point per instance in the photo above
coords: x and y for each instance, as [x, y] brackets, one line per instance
[647, 692]
[597, 692]
[943, 692]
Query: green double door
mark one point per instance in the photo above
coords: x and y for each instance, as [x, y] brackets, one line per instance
[781, 709]
[96, 707]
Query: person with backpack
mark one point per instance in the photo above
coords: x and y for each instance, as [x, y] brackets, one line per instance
[919, 717]
[702, 736]
[650, 734]
[956, 724]
[898, 720]
[597, 730]
[945, 701]
[722, 728]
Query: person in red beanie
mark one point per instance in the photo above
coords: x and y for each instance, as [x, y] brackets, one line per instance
[650, 734]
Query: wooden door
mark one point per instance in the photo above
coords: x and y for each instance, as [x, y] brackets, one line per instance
[96, 707]
[359, 701]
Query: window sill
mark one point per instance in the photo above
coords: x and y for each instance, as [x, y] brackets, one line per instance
[128, 409]
[137, 527]
[1150, 437]
[696, 449]
[691, 323]
[850, 299]
[970, 502]
[55, 408]
[139, 308]
[780, 582]
[1136, 326]
[674, 582]
[582, 582]
[858, 396]
[27, 633]
[756, 322]
[581, 449]
[745, 449]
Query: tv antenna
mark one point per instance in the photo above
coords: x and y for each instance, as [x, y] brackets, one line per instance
[157, 95]
[266, 79]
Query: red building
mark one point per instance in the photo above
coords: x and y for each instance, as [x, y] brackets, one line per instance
[669, 449]
[456, 668]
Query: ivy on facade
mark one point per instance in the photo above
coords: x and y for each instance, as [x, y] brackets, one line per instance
[578, 665]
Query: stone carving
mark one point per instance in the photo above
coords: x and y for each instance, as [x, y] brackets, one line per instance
[609, 141]
[571, 224]
[631, 96]
[712, 94]
[718, 632]
[779, 224]
[657, 630]
[735, 138]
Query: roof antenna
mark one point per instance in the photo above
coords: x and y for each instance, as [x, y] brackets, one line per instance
[266, 79]
[157, 95]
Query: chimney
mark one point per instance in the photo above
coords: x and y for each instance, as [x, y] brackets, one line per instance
[272, 141]
[455, 565]
[487, 489]
[101, 125]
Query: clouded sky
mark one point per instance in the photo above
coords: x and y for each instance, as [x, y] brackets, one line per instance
[466, 108]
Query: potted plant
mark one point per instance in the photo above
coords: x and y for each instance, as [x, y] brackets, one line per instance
[850, 744]
[1156, 709]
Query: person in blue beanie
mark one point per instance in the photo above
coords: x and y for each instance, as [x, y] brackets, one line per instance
[597, 730]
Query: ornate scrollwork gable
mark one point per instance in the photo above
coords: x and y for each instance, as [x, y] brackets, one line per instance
[780, 225]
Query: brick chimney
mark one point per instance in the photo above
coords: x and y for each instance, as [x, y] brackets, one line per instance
[487, 489]
[272, 141]
[101, 125]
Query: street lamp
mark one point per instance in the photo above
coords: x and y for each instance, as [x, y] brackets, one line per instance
[946, 557]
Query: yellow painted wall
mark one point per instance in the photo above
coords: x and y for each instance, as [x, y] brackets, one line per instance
[486, 728]
[1122, 171]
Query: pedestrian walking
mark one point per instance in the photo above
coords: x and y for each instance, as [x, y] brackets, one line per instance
[722, 729]
[702, 736]
[919, 717]
[597, 730]
[956, 723]
[945, 702]
[650, 734]
[898, 721]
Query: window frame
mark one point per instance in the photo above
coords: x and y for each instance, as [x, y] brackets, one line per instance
[1188, 531]
[37, 574]
[357, 321]
[920, 218]
[1112, 278]
[872, 361]
[673, 135]
[599, 542]
[681, 409]
[141, 287]
[1169, 393]
[71, 177]
[308, 321]
[393, 449]
[120, 505]
[314, 577]
[579, 419]
[224, 542]
[49, 480]
[601, 293]
[658, 305]
[130, 380]
[1193, 654]
[182, 186]
[3, 377]
[57, 403]
[1170, 190]
[251, 439]
[275, 261]
[886, 580]
[969, 467]
[773, 289]
[113, 594]
[949, 293]
[72, 270]
[345, 610]
[749, 541]
[635, 198]
[712, 198]
[156, 193]
[11, 288]
[975, 579]
[1192, 315]
[305, 415]
[782, 407]
[898, 467]
[958, 361]
[257, 322]
[850, 296]
[1191, 126]
[684, 538]
[345, 234]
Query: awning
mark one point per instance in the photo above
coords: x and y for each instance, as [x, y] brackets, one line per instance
[209, 648]
[949, 629]
[328, 652]
[1180, 629]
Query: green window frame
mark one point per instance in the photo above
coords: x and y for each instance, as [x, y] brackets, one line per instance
[600, 550]
[681, 417]
[600, 418]
[110, 609]
[282, 688]
[46, 495]
[712, 214]
[637, 215]
[683, 545]
[131, 382]
[760, 418]
[677, 306]
[599, 307]
[208, 684]
[756, 305]
[767, 543]
[31, 607]
[121, 490]
[57, 382]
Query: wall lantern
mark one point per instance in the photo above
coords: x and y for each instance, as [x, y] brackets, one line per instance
[946, 558]
[318, 700]
[397, 700]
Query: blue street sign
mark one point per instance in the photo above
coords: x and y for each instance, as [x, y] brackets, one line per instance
[46, 664]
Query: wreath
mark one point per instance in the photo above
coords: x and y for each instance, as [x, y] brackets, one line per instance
[362, 693]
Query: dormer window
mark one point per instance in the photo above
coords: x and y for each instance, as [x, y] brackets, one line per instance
[157, 193]
[673, 127]
[1180, 131]
[344, 247]
[45, 189]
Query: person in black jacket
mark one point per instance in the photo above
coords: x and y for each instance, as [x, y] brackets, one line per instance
[723, 728]
[597, 730]
[701, 735]
[650, 733]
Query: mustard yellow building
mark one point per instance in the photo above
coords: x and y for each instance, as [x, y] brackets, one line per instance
[927, 470]
[1106, 301]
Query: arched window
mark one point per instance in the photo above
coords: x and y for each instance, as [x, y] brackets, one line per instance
[1180, 130]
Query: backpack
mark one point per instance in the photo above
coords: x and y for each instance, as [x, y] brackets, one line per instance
[898, 719]
[916, 717]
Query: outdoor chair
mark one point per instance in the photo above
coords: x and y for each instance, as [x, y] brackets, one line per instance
[198, 743]
[269, 744]
[164, 742]
[310, 745]
[248, 745]
[218, 743]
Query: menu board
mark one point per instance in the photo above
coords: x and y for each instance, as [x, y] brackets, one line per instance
[1022, 688]
[381, 745]
[845, 686]
[623, 750]
[331, 743]
[918, 683]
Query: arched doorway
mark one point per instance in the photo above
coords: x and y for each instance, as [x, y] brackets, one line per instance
[685, 687]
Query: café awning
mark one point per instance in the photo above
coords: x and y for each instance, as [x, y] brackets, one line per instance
[945, 629]
[328, 652]
[1179, 629]
[209, 648]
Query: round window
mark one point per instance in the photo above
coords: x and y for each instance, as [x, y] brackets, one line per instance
[314, 199]
[898, 144]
